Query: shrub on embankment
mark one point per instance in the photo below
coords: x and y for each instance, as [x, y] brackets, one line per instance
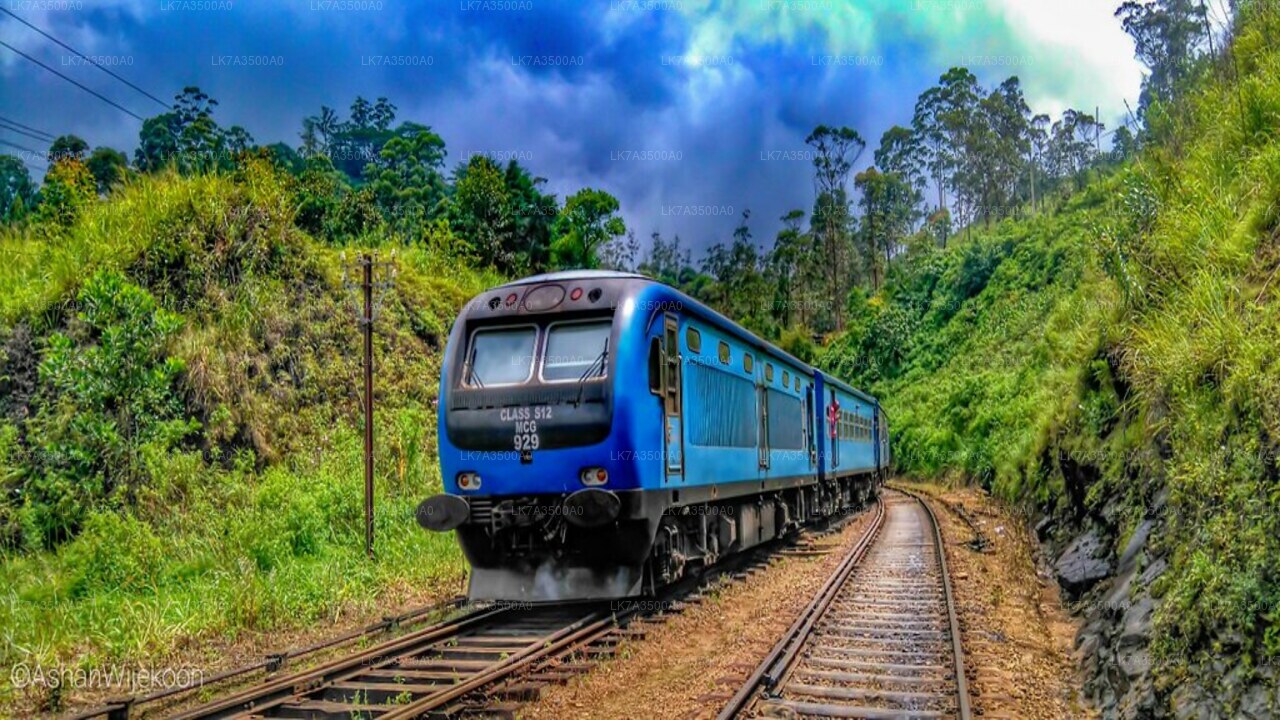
[1117, 359]
[180, 427]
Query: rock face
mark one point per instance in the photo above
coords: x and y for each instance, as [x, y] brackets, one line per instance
[1083, 564]
[1113, 645]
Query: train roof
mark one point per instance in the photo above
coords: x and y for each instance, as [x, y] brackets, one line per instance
[569, 275]
[699, 307]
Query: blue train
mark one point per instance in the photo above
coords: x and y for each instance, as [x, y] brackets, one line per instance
[601, 434]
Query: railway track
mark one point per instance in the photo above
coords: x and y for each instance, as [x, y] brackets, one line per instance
[880, 638]
[484, 662]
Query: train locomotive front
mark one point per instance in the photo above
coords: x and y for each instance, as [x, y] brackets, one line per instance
[565, 421]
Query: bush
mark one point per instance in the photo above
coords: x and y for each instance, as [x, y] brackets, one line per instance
[107, 389]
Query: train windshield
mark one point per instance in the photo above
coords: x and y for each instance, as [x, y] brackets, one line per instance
[501, 356]
[576, 350]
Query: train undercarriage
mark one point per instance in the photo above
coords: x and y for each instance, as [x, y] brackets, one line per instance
[555, 548]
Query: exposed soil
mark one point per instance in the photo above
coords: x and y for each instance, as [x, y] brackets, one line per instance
[1017, 635]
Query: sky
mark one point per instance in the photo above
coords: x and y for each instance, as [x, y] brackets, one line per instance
[688, 111]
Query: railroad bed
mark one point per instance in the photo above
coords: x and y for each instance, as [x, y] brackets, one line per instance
[879, 640]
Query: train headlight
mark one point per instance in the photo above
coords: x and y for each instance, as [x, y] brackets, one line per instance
[468, 481]
[594, 476]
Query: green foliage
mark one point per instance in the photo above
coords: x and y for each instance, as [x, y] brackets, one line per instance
[109, 167]
[1118, 351]
[108, 390]
[68, 187]
[588, 220]
[16, 189]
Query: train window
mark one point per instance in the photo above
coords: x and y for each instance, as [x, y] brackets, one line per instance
[723, 351]
[748, 362]
[797, 383]
[576, 350]
[768, 372]
[501, 356]
[693, 339]
[786, 378]
[655, 366]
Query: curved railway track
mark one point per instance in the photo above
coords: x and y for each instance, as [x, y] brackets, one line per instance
[879, 640]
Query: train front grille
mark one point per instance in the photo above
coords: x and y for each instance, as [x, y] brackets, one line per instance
[481, 511]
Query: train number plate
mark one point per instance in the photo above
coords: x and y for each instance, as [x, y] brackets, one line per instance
[525, 424]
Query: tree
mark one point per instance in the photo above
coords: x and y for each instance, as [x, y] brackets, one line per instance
[836, 151]
[405, 179]
[108, 167]
[318, 131]
[68, 147]
[1168, 37]
[666, 261]
[1038, 139]
[533, 213]
[887, 216]
[900, 152]
[68, 187]
[1123, 144]
[784, 261]
[16, 188]
[480, 211]
[383, 114]
[587, 221]
[188, 137]
[1073, 145]
[619, 254]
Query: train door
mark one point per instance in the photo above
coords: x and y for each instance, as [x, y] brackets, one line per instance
[762, 402]
[672, 397]
[875, 434]
[808, 424]
[833, 420]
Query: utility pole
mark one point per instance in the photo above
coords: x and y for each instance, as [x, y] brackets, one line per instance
[368, 302]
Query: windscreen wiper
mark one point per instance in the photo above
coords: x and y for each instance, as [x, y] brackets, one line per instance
[469, 374]
[594, 369]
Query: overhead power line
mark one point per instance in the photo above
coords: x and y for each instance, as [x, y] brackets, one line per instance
[92, 92]
[84, 57]
[20, 147]
[28, 128]
[33, 136]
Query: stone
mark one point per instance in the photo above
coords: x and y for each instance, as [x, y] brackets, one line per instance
[1082, 564]
[1135, 662]
[1139, 540]
[1044, 527]
[1137, 623]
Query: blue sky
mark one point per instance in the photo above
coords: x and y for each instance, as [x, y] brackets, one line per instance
[689, 111]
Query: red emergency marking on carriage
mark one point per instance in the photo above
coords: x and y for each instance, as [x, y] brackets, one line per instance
[833, 416]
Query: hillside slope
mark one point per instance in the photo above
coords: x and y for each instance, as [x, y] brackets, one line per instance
[179, 426]
[1114, 365]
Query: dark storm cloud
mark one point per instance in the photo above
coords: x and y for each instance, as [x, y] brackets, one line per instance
[685, 143]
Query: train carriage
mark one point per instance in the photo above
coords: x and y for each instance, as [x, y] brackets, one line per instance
[601, 433]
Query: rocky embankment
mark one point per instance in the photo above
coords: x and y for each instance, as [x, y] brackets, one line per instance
[1109, 581]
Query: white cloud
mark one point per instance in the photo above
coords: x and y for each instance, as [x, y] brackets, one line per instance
[1082, 57]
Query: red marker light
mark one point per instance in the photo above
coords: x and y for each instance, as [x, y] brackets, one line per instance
[511, 299]
[577, 293]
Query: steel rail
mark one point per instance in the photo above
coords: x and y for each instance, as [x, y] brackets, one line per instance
[785, 649]
[801, 651]
[957, 649]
